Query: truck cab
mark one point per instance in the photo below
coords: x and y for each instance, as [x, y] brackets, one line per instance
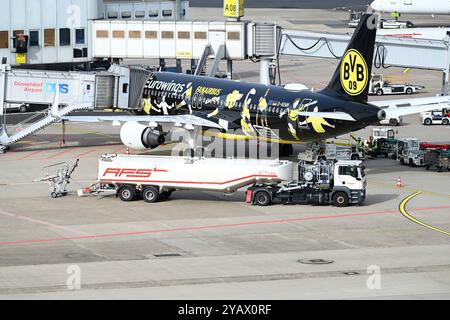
[338, 183]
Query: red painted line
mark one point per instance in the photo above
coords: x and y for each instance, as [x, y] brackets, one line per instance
[30, 155]
[59, 154]
[211, 227]
[189, 182]
[84, 153]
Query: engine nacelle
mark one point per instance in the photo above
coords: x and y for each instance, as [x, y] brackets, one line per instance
[139, 137]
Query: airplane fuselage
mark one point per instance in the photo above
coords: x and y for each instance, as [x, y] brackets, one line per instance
[255, 110]
[412, 6]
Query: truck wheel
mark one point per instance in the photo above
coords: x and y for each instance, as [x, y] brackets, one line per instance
[439, 169]
[23, 108]
[445, 122]
[409, 91]
[340, 199]
[150, 194]
[380, 92]
[262, 198]
[411, 163]
[427, 167]
[393, 122]
[428, 122]
[402, 162]
[127, 193]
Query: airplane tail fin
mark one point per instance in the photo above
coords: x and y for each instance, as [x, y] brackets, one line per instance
[352, 76]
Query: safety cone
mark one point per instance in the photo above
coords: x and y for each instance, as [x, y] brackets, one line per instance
[399, 183]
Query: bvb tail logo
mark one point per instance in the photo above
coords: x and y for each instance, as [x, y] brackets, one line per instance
[354, 75]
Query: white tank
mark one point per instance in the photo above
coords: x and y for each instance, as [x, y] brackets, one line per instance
[191, 173]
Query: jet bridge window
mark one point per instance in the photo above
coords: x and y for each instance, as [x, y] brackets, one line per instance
[80, 36]
[64, 37]
[4, 39]
[49, 37]
[167, 13]
[34, 38]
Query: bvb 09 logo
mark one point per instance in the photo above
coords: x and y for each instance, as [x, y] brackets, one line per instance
[354, 75]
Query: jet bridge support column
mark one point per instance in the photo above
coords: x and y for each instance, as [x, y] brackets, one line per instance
[264, 71]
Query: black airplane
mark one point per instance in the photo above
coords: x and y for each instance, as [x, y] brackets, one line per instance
[241, 110]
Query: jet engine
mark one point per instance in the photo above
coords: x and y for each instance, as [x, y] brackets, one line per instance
[139, 137]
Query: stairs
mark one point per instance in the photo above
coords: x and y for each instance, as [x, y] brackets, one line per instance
[51, 118]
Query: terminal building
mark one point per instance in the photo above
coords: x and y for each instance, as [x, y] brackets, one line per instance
[49, 32]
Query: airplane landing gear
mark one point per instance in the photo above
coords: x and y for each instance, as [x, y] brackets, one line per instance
[286, 150]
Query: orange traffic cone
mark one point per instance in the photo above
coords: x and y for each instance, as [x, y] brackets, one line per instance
[399, 183]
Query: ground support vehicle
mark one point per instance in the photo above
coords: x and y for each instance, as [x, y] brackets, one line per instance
[409, 152]
[439, 159]
[441, 117]
[338, 183]
[331, 151]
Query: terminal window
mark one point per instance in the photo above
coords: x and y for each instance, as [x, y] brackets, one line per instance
[139, 14]
[118, 34]
[200, 35]
[34, 38]
[134, 35]
[184, 35]
[80, 36]
[49, 37]
[102, 34]
[113, 15]
[64, 37]
[167, 34]
[234, 35]
[4, 37]
[126, 15]
[153, 13]
[151, 35]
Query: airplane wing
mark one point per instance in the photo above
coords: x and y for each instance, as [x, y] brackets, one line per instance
[328, 115]
[403, 103]
[176, 120]
[404, 111]
[403, 107]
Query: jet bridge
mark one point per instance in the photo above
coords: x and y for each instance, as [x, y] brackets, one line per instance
[389, 51]
[65, 92]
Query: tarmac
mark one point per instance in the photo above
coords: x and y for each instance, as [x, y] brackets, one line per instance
[204, 245]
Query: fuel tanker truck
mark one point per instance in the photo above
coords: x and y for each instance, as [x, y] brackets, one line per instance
[155, 178]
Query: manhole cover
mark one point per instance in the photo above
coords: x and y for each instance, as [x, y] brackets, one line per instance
[351, 273]
[315, 261]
